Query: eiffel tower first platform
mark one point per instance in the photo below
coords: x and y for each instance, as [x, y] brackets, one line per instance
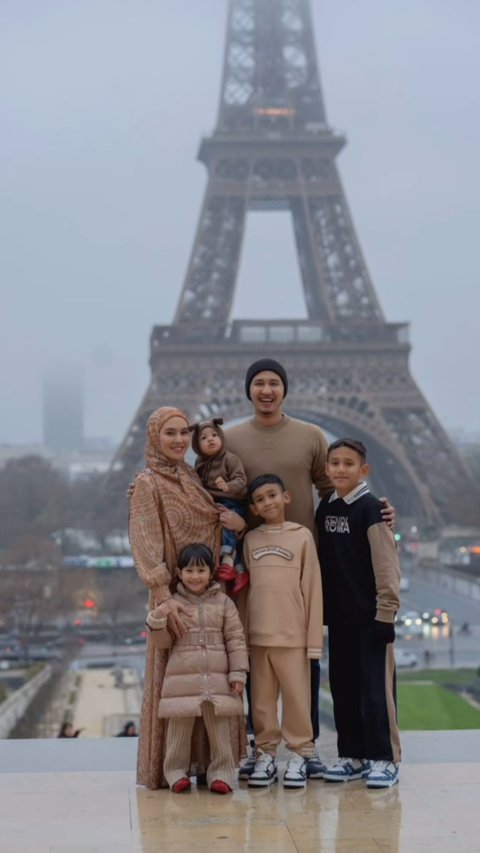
[348, 368]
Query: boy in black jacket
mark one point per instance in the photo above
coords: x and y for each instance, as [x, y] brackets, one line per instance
[361, 583]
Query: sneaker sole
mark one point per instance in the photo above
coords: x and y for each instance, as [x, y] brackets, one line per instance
[379, 784]
[315, 775]
[262, 783]
[353, 778]
[290, 784]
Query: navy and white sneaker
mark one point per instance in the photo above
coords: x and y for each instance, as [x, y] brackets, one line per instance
[347, 769]
[296, 773]
[316, 768]
[265, 772]
[248, 766]
[384, 774]
[246, 769]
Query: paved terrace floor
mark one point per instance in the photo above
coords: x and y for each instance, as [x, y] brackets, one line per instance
[57, 797]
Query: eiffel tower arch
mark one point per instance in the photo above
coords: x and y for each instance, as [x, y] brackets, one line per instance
[272, 149]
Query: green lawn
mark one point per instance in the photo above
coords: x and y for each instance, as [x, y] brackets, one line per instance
[439, 676]
[430, 706]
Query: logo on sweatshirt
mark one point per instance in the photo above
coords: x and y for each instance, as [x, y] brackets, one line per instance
[274, 550]
[336, 524]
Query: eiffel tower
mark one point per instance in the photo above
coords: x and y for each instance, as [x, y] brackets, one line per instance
[272, 149]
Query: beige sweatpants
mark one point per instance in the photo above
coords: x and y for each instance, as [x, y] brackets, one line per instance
[178, 747]
[286, 671]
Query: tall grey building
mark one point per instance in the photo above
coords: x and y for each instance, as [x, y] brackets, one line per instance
[63, 409]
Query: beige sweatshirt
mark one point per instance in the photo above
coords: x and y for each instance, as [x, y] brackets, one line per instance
[284, 605]
[293, 449]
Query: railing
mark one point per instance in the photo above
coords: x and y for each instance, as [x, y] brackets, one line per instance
[280, 332]
[15, 705]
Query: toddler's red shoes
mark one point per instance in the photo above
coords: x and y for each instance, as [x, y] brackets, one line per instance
[182, 785]
[219, 787]
[242, 580]
[226, 570]
[226, 573]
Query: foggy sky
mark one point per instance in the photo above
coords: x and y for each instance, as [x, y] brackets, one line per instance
[102, 107]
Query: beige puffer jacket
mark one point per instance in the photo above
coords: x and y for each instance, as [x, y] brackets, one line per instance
[206, 660]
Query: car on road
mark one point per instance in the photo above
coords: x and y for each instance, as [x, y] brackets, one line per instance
[409, 622]
[436, 617]
[403, 657]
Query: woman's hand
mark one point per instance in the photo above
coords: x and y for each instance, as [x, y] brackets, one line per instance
[178, 616]
[236, 687]
[231, 520]
[389, 513]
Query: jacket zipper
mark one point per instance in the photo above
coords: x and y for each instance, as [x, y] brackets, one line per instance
[204, 650]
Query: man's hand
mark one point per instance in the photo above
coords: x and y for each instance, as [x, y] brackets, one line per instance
[237, 687]
[221, 484]
[389, 513]
[179, 616]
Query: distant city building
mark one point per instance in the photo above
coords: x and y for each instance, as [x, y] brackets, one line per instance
[75, 464]
[63, 409]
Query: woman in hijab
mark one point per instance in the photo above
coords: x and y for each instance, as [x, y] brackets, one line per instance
[170, 509]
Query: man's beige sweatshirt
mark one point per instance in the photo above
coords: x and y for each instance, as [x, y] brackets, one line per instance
[292, 449]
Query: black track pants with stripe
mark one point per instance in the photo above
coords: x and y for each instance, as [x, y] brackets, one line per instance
[363, 686]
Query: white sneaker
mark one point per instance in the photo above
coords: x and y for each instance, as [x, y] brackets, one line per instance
[347, 770]
[265, 773]
[384, 774]
[296, 772]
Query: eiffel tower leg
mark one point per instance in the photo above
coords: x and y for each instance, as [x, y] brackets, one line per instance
[206, 299]
[209, 287]
[370, 394]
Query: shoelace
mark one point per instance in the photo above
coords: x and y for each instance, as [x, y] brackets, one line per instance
[264, 760]
[296, 760]
[342, 762]
[383, 766]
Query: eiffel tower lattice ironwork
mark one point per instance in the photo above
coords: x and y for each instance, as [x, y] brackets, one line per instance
[348, 367]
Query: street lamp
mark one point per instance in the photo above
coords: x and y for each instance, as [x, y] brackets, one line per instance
[451, 648]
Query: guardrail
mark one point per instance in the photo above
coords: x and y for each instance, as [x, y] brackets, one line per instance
[15, 705]
[452, 580]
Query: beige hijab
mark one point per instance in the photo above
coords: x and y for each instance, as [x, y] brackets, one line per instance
[191, 493]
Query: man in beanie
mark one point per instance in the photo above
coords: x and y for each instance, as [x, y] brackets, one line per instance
[271, 441]
[296, 451]
[274, 442]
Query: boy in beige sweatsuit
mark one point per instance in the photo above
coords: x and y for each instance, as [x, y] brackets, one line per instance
[284, 628]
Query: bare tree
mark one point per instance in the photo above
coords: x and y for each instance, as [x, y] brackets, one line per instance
[122, 600]
[34, 500]
[30, 586]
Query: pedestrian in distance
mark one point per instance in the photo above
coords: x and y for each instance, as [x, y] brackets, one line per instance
[129, 730]
[67, 730]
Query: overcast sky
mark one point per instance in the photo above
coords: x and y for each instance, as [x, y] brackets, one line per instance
[102, 107]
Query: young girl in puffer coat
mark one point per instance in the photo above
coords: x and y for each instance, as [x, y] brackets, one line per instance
[206, 672]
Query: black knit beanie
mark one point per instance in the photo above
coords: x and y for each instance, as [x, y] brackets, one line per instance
[265, 364]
